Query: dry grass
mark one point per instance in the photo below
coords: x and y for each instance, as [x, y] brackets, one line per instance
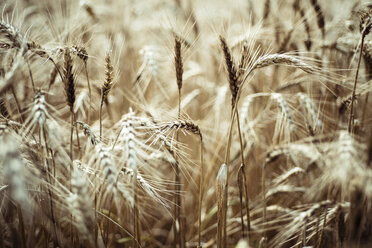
[185, 123]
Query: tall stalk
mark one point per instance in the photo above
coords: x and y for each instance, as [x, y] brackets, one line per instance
[178, 227]
[234, 83]
[201, 180]
[69, 85]
[221, 182]
[365, 32]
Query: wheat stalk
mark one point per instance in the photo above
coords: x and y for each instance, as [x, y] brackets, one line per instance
[234, 82]
[178, 226]
[366, 25]
[69, 84]
[221, 182]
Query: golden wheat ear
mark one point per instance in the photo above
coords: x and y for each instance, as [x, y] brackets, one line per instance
[231, 69]
[106, 88]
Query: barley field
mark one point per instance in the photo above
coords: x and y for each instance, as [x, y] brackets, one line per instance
[185, 123]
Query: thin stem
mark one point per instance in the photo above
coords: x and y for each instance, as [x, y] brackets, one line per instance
[54, 164]
[71, 141]
[177, 207]
[225, 204]
[244, 176]
[240, 137]
[351, 116]
[71, 167]
[247, 205]
[240, 185]
[264, 198]
[77, 137]
[219, 220]
[200, 191]
[31, 77]
[241, 171]
[227, 153]
[179, 104]
[100, 121]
